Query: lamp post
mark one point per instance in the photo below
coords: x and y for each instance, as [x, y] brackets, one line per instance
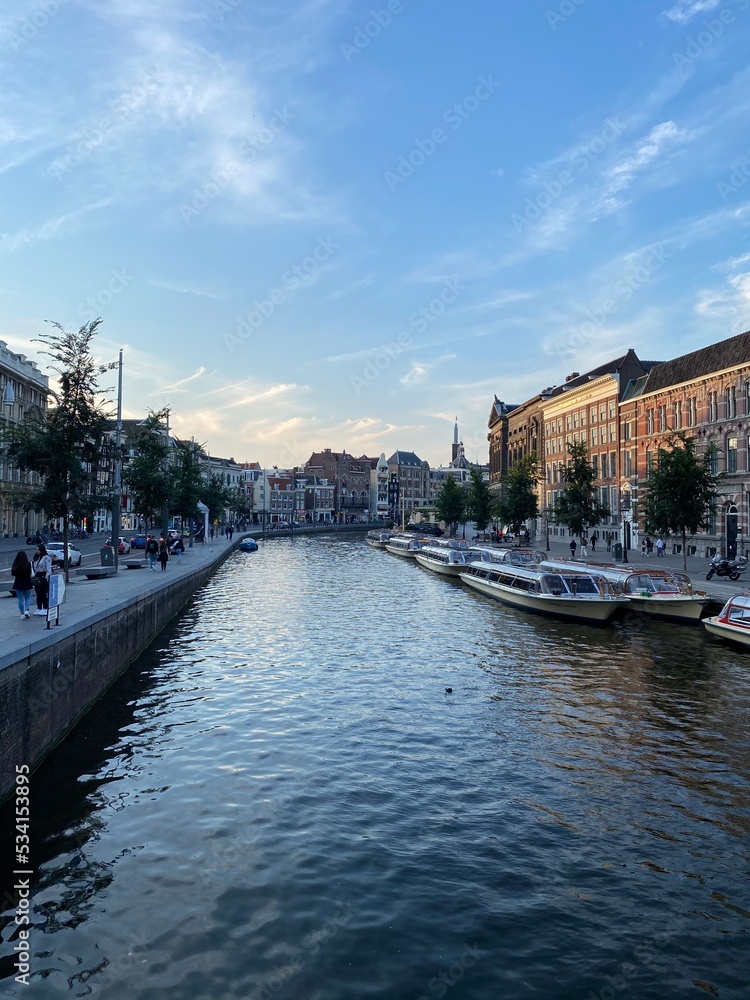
[625, 505]
[117, 498]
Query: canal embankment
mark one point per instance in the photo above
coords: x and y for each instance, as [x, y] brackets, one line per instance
[51, 676]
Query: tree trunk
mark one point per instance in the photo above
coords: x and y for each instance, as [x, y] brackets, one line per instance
[66, 561]
[684, 550]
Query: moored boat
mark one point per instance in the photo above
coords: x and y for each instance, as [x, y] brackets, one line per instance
[448, 558]
[733, 621]
[575, 595]
[378, 538]
[406, 546]
[659, 593]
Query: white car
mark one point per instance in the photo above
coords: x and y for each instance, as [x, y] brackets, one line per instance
[124, 545]
[55, 552]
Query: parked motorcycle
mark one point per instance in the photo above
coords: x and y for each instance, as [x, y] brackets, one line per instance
[727, 567]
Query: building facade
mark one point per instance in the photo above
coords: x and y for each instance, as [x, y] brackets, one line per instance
[413, 478]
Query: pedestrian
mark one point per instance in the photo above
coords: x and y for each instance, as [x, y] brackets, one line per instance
[593, 544]
[649, 547]
[211, 533]
[584, 550]
[179, 548]
[41, 568]
[21, 571]
[163, 553]
[660, 546]
[609, 542]
[572, 548]
[152, 551]
[643, 547]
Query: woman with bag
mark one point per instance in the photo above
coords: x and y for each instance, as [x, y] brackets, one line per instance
[21, 570]
[41, 566]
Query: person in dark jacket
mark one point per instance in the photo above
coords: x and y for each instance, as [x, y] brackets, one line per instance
[163, 553]
[152, 551]
[21, 570]
[41, 568]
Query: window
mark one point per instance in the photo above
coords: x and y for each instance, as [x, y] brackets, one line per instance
[731, 454]
[612, 409]
[602, 434]
[692, 414]
[593, 409]
[575, 420]
[613, 465]
[593, 436]
[713, 459]
[612, 433]
[583, 418]
[628, 463]
[649, 461]
[662, 415]
[713, 407]
[730, 402]
[649, 421]
[595, 465]
[627, 430]
[678, 415]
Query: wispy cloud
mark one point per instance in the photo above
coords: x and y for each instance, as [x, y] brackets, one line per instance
[685, 10]
[49, 230]
[185, 288]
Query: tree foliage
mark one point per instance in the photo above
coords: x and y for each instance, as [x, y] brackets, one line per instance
[146, 476]
[66, 445]
[185, 482]
[450, 502]
[677, 497]
[479, 499]
[578, 507]
[216, 496]
[518, 499]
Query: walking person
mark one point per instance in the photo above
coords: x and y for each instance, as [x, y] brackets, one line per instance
[179, 548]
[41, 568]
[660, 546]
[584, 550]
[163, 553]
[649, 547]
[21, 570]
[593, 544]
[573, 548]
[152, 551]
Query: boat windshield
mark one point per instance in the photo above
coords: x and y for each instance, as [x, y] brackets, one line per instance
[737, 610]
[557, 584]
[640, 583]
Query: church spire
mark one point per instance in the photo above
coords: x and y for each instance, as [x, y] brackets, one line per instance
[455, 432]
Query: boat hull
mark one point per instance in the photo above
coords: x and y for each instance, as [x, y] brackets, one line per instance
[679, 609]
[579, 608]
[733, 633]
[376, 543]
[445, 569]
[404, 553]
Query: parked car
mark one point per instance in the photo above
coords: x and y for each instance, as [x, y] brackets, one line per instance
[55, 551]
[124, 547]
[138, 542]
[426, 528]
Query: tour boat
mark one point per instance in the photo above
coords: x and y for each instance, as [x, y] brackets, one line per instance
[404, 545]
[448, 557]
[659, 593]
[377, 538]
[573, 594]
[512, 557]
[733, 621]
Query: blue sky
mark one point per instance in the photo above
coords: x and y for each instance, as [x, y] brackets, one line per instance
[310, 225]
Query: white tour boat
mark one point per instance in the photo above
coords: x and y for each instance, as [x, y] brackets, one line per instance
[378, 538]
[659, 593]
[733, 621]
[404, 545]
[448, 557]
[573, 594]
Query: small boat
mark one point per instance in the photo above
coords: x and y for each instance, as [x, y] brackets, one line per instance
[576, 595]
[248, 545]
[733, 621]
[378, 538]
[404, 545]
[448, 558]
[659, 593]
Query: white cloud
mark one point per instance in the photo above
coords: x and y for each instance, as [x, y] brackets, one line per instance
[52, 228]
[685, 10]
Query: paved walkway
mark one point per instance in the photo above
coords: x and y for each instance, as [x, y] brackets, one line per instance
[86, 598]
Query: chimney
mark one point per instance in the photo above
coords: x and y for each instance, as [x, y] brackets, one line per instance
[572, 376]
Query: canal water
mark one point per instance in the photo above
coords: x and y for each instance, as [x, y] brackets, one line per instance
[283, 800]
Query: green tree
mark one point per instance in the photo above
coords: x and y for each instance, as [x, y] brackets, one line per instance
[578, 507]
[479, 500]
[216, 496]
[677, 497]
[65, 446]
[518, 498]
[450, 502]
[146, 475]
[185, 483]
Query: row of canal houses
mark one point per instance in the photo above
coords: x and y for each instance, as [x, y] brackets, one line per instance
[624, 410]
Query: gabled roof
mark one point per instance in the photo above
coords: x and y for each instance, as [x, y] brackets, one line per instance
[405, 458]
[628, 366]
[726, 354]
